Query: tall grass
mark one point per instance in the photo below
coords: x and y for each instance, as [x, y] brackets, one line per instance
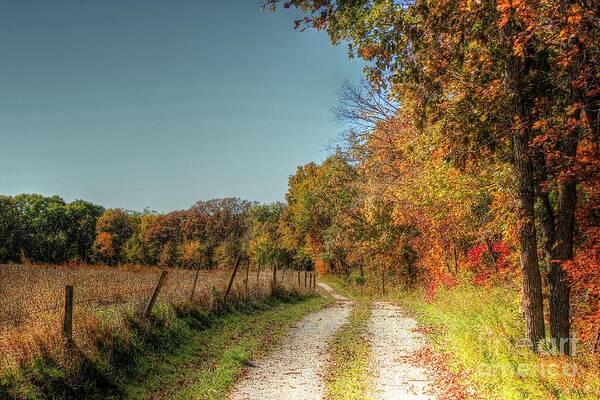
[482, 328]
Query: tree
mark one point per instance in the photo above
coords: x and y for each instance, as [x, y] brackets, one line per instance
[10, 230]
[193, 255]
[220, 224]
[81, 228]
[104, 248]
[161, 235]
[315, 197]
[44, 227]
[113, 229]
[264, 239]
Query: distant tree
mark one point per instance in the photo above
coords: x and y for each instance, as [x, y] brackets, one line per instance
[161, 235]
[113, 229]
[10, 230]
[193, 255]
[321, 207]
[135, 250]
[265, 246]
[221, 226]
[104, 248]
[45, 227]
[82, 217]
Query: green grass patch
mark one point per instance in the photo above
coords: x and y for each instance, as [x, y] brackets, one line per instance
[357, 289]
[483, 330]
[348, 375]
[181, 352]
[346, 286]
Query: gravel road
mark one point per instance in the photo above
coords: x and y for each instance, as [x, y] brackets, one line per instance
[393, 340]
[294, 371]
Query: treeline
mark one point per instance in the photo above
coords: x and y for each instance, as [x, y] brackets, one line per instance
[42, 228]
[210, 234]
[473, 144]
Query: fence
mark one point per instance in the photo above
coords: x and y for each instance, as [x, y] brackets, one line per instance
[52, 298]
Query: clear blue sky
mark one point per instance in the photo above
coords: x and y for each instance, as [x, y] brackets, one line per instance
[135, 103]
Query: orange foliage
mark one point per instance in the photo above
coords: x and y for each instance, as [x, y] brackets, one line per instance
[584, 274]
[104, 246]
[322, 266]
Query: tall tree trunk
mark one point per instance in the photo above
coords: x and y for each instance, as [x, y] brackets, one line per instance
[558, 233]
[567, 194]
[532, 281]
[546, 216]
[560, 289]
[516, 70]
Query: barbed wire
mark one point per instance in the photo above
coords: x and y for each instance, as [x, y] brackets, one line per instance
[27, 316]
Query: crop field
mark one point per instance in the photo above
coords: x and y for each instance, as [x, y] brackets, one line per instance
[32, 298]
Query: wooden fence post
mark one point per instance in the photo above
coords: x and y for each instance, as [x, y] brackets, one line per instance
[315, 281]
[299, 282]
[194, 287]
[68, 320]
[247, 274]
[159, 285]
[305, 278]
[274, 283]
[231, 279]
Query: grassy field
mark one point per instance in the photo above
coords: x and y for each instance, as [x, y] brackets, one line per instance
[348, 376]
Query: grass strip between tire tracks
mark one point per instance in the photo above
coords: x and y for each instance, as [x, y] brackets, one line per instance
[348, 376]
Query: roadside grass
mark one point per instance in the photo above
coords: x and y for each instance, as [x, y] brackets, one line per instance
[181, 352]
[208, 366]
[348, 375]
[482, 330]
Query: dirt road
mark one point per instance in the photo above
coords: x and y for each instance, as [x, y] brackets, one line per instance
[295, 370]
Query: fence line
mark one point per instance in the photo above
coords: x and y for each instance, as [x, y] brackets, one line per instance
[30, 314]
[169, 288]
